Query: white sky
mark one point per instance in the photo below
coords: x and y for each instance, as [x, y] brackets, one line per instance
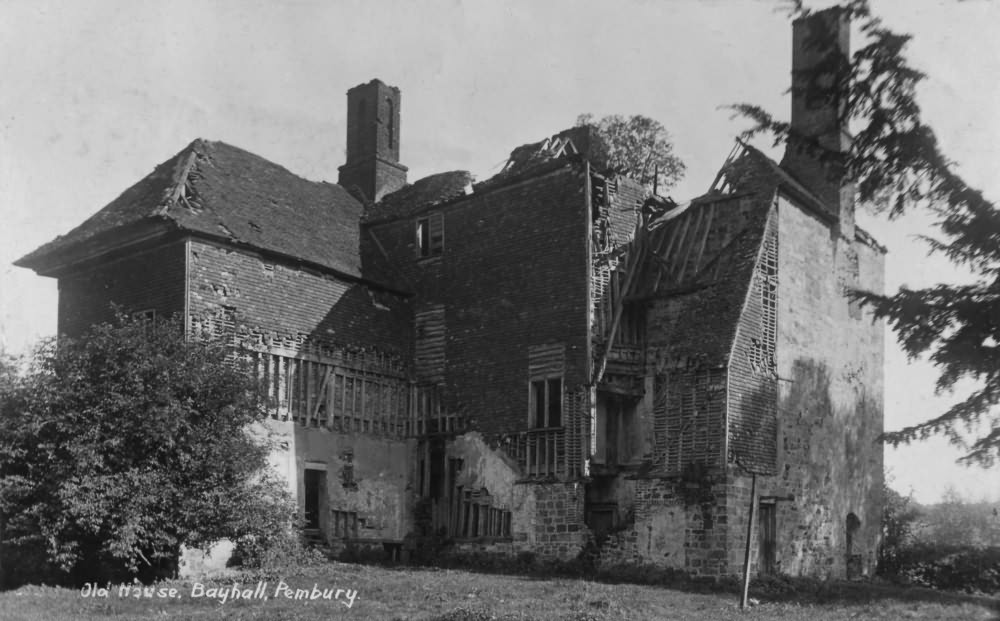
[96, 94]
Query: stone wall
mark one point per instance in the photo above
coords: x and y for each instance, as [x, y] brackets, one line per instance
[677, 524]
[829, 366]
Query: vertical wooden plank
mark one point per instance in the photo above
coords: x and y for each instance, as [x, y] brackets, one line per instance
[283, 390]
[676, 245]
[696, 228]
[364, 415]
[307, 388]
[328, 397]
[343, 403]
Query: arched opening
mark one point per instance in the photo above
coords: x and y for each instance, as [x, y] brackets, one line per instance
[853, 524]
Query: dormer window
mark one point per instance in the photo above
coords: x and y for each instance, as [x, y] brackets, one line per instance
[430, 236]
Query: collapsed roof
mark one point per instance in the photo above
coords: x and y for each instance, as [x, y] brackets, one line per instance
[221, 191]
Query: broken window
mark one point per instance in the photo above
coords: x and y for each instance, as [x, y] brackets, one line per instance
[546, 402]
[430, 235]
[632, 328]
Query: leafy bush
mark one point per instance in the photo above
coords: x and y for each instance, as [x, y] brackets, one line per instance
[125, 444]
[972, 570]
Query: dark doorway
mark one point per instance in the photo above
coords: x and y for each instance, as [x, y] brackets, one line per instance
[853, 559]
[315, 487]
[768, 535]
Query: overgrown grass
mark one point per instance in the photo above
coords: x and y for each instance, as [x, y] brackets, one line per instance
[431, 594]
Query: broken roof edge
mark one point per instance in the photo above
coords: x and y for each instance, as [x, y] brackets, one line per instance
[479, 190]
[768, 223]
[797, 190]
[429, 191]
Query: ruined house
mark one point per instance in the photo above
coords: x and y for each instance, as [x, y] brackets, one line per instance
[550, 360]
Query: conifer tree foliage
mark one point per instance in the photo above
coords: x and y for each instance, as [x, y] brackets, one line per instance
[639, 147]
[897, 164]
[122, 445]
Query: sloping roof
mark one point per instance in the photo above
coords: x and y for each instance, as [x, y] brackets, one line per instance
[431, 190]
[700, 316]
[223, 191]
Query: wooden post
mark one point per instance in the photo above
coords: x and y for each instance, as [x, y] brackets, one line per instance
[746, 554]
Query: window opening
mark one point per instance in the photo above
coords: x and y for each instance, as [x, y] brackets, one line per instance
[546, 402]
[430, 236]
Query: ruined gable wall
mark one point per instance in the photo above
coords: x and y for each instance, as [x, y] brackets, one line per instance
[147, 278]
[829, 362]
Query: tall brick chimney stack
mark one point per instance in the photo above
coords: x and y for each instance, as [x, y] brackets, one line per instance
[821, 44]
[372, 167]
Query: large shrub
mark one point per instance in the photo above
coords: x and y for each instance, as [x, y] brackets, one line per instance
[959, 568]
[122, 445]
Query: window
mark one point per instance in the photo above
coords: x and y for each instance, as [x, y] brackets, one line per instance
[546, 403]
[145, 315]
[146, 318]
[430, 236]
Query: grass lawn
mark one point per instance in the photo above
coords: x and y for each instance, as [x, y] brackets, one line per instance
[414, 593]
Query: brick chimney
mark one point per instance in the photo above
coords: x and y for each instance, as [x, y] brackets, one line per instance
[821, 46]
[372, 168]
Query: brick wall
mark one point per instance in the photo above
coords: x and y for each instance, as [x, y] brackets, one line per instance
[287, 301]
[147, 278]
[512, 275]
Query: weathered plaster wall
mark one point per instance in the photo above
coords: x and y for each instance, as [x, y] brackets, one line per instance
[829, 363]
[367, 475]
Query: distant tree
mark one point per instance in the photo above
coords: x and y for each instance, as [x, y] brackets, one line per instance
[960, 522]
[899, 516]
[119, 447]
[897, 165]
[639, 147]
